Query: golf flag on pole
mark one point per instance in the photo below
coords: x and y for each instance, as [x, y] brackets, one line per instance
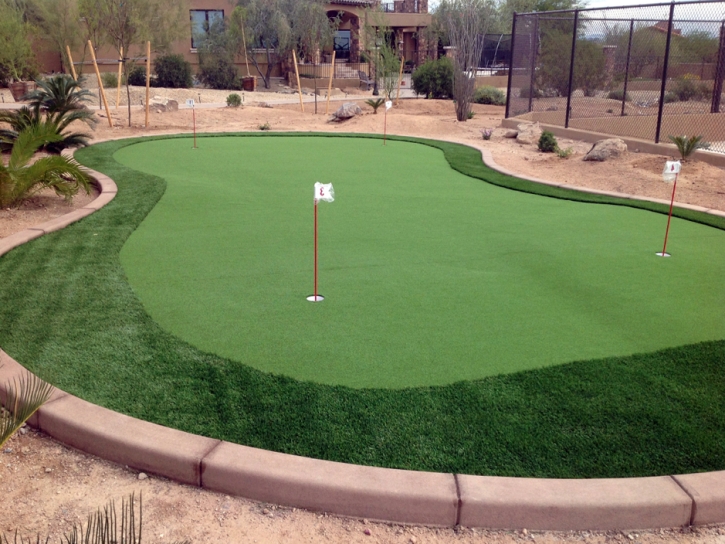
[388, 104]
[324, 191]
[672, 168]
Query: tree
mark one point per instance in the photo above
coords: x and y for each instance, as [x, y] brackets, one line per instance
[58, 21]
[553, 70]
[17, 60]
[133, 22]
[466, 22]
[380, 42]
[698, 46]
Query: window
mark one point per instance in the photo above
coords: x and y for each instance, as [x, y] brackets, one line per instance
[342, 44]
[201, 21]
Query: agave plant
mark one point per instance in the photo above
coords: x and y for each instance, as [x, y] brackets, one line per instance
[687, 146]
[375, 103]
[56, 103]
[20, 180]
[22, 398]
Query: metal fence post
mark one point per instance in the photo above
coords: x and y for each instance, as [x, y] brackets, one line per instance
[626, 69]
[664, 73]
[511, 67]
[719, 73]
[534, 49]
[571, 69]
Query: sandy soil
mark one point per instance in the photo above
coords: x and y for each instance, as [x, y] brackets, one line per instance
[46, 487]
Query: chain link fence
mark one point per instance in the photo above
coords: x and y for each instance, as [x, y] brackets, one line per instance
[647, 72]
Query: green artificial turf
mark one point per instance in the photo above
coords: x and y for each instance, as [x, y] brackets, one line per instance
[430, 276]
[68, 313]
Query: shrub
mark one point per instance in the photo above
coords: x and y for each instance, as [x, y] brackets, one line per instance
[234, 100]
[618, 94]
[265, 126]
[434, 78]
[470, 114]
[109, 79]
[486, 133]
[671, 97]
[525, 91]
[375, 103]
[687, 146]
[547, 142]
[219, 73]
[685, 89]
[489, 95]
[137, 76]
[565, 153]
[173, 71]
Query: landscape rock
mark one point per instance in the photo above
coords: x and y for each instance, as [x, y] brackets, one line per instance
[606, 149]
[528, 133]
[160, 104]
[143, 476]
[347, 111]
[511, 133]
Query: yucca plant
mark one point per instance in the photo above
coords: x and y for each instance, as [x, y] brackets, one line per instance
[19, 180]
[21, 399]
[56, 103]
[375, 103]
[687, 146]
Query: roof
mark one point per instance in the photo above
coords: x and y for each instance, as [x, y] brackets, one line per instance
[352, 2]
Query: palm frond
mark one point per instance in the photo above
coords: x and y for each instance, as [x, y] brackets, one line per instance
[687, 146]
[58, 94]
[62, 175]
[21, 399]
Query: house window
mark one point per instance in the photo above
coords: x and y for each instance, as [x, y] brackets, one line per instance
[201, 21]
[342, 44]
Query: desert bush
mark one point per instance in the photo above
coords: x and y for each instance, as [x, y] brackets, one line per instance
[671, 97]
[219, 73]
[618, 94]
[173, 71]
[234, 100]
[686, 89]
[137, 76]
[526, 91]
[486, 133]
[434, 78]
[564, 153]
[109, 79]
[375, 103]
[489, 95]
[548, 143]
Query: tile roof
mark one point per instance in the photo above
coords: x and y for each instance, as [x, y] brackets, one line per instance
[353, 2]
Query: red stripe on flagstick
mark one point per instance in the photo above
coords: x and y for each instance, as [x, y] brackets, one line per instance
[315, 250]
[193, 115]
[669, 217]
[385, 129]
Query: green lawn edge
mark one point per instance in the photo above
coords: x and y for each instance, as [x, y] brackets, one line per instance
[68, 314]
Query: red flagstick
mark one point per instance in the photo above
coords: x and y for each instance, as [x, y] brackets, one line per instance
[315, 250]
[669, 217]
[193, 116]
[385, 129]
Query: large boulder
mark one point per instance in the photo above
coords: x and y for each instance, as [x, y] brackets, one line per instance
[161, 104]
[528, 133]
[606, 149]
[347, 111]
[511, 133]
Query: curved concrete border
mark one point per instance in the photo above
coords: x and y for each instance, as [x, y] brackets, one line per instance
[393, 495]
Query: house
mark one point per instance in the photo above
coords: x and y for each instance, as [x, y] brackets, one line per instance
[406, 19]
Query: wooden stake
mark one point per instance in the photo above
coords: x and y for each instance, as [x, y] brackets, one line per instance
[244, 45]
[299, 86]
[72, 67]
[400, 80]
[329, 87]
[120, 76]
[148, 79]
[100, 84]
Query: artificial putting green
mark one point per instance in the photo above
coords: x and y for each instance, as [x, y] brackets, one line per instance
[430, 276]
[68, 313]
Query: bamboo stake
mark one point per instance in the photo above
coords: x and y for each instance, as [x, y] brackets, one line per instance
[100, 84]
[244, 45]
[118, 87]
[329, 87]
[72, 67]
[148, 79]
[299, 86]
[400, 80]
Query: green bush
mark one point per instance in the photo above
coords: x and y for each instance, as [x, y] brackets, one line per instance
[686, 89]
[110, 79]
[137, 76]
[489, 95]
[618, 94]
[220, 73]
[434, 78]
[548, 143]
[526, 91]
[173, 71]
[671, 97]
[234, 100]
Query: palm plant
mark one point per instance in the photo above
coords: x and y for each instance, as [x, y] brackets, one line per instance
[20, 180]
[57, 103]
[22, 398]
[687, 146]
[375, 103]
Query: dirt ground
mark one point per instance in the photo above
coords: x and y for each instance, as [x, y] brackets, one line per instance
[45, 487]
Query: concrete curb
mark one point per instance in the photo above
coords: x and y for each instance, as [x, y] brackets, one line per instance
[392, 495]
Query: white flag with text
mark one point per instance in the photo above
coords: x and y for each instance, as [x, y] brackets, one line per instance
[324, 191]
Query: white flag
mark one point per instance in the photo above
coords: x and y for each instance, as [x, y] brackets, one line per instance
[324, 191]
[388, 104]
[672, 168]
[190, 102]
